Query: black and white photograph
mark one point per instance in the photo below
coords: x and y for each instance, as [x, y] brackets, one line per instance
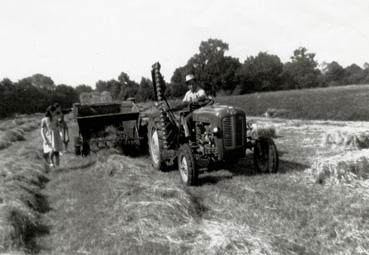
[184, 127]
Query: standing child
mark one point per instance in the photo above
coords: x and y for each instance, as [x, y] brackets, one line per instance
[51, 137]
[63, 131]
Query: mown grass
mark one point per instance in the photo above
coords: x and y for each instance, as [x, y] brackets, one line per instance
[13, 129]
[112, 204]
[22, 203]
[332, 103]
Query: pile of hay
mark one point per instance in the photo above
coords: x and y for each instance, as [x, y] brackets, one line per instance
[14, 130]
[21, 201]
[164, 215]
[262, 131]
[341, 168]
[19, 122]
[347, 139]
[9, 136]
[276, 113]
[95, 97]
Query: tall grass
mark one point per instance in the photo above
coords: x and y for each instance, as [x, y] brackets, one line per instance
[332, 103]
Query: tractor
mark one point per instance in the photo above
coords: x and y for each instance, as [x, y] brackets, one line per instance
[218, 137]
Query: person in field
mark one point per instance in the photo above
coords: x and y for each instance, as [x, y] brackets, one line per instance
[63, 128]
[195, 97]
[195, 94]
[51, 141]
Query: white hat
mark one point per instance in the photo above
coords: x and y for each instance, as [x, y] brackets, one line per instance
[189, 77]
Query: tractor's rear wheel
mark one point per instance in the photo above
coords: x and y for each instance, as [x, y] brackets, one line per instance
[187, 166]
[266, 156]
[156, 145]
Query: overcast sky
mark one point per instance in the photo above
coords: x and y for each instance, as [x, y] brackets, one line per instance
[79, 42]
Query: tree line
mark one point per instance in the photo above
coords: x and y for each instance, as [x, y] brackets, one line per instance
[216, 72]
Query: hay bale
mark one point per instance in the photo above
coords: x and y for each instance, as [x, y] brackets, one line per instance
[95, 97]
[276, 113]
[98, 109]
[262, 131]
[347, 139]
[342, 168]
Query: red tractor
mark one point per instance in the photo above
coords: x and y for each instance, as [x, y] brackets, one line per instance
[218, 135]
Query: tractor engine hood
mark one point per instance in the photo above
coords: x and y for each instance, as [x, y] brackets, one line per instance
[215, 112]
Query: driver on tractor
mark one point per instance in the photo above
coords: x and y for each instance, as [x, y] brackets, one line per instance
[194, 98]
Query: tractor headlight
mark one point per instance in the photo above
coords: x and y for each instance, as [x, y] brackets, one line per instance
[215, 130]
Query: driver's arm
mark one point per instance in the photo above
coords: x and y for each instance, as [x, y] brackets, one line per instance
[202, 98]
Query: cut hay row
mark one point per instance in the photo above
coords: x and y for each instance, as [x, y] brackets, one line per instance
[95, 97]
[153, 212]
[348, 140]
[21, 201]
[9, 136]
[341, 168]
[19, 121]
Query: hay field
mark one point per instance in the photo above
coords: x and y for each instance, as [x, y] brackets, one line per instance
[113, 204]
[332, 103]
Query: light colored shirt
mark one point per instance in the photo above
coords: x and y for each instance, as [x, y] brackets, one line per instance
[194, 96]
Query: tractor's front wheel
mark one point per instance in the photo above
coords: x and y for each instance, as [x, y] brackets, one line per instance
[266, 156]
[156, 146]
[186, 166]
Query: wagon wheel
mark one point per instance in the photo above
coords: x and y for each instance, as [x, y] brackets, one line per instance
[265, 156]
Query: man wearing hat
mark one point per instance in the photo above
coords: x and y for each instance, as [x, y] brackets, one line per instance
[194, 93]
[195, 97]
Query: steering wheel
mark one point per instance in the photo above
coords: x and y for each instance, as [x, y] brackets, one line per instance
[198, 104]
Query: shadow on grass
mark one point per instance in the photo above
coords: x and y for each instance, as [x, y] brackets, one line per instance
[212, 179]
[286, 166]
[72, 167]
[32, 244]
[246, 167]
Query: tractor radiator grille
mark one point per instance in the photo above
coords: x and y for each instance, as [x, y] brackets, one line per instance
[234, 131]
[227, 131]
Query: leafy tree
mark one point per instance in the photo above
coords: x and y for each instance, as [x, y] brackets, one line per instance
[302, 71]
[7, 97]
[177, 87]
[65, 95]
[83, 88]
[115, 88]
[101, 86]
[213, 70]
[334, 74]
[129, 87]
[260, 73]
[145, 91]
[353, 74]
[365, 77]
[40, 81]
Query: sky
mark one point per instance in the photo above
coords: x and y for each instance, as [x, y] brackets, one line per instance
[83, 41]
